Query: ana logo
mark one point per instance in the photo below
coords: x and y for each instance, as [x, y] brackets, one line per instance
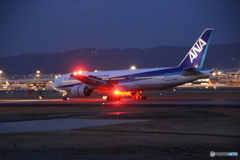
[197, 48]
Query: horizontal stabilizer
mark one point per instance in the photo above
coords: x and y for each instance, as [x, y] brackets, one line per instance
[190, 72]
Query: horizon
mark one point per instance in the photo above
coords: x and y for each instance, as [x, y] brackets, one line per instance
[58, 52]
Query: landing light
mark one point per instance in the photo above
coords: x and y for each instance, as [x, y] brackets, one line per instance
[104, 97]
[75, 73]
[80, 72]
[116, 92]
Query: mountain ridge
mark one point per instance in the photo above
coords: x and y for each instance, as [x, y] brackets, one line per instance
[90, 59]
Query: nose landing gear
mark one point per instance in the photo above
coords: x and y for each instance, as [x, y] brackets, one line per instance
[64, 96]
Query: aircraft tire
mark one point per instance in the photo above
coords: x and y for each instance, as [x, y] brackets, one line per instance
[139, 97]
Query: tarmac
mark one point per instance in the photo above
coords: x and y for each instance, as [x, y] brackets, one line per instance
[180, 124]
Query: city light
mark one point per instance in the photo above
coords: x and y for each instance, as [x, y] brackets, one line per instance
[38, 74]
[1, 74]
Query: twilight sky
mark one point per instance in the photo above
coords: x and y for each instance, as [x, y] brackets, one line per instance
[47, 26]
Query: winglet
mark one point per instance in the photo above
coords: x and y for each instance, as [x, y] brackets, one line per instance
[196, 56]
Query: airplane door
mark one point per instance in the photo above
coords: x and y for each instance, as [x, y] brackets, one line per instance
[130, 78]
[59, 81]
[167, 76]
[131, 85]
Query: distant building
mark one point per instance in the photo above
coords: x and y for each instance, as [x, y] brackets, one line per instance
[227, 78]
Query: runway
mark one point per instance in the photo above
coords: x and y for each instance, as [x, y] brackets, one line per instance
[156, 101]
[177, 96]
[69, 121]
[57, 124]
[94, 106]
[159, 125]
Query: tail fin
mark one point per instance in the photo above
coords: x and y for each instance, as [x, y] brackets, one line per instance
[196, 56]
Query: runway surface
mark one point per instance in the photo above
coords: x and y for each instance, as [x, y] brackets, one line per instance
[56, 124]
[70, 121]
[191, 123]
[158, 101]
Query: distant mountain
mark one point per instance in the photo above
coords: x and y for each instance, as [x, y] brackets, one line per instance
[110, 59]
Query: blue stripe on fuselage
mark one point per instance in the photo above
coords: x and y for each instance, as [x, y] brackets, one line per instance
[161, 72]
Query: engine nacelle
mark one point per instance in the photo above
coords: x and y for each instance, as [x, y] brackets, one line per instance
[81, 91]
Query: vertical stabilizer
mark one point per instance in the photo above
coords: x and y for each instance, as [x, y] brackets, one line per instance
[196, 56]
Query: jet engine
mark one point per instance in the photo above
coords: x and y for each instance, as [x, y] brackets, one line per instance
[81, 91]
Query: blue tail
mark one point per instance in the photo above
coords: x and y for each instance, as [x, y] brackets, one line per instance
[196, 56]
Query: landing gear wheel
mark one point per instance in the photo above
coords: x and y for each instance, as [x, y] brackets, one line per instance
[139, 97]
[144, 97]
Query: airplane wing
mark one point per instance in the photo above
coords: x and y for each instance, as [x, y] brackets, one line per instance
[91, 80]
[102, 85]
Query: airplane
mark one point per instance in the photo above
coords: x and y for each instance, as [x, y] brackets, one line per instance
[12, 86]
[82, 84]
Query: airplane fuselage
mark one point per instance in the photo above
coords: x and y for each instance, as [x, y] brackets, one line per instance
[134, 80]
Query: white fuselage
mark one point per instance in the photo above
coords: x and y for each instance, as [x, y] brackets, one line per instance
[134, 80]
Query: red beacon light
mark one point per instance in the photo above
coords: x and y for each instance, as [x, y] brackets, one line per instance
[78, 72]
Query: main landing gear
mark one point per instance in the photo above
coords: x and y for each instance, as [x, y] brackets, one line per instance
[135, 96]
[138, 96]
